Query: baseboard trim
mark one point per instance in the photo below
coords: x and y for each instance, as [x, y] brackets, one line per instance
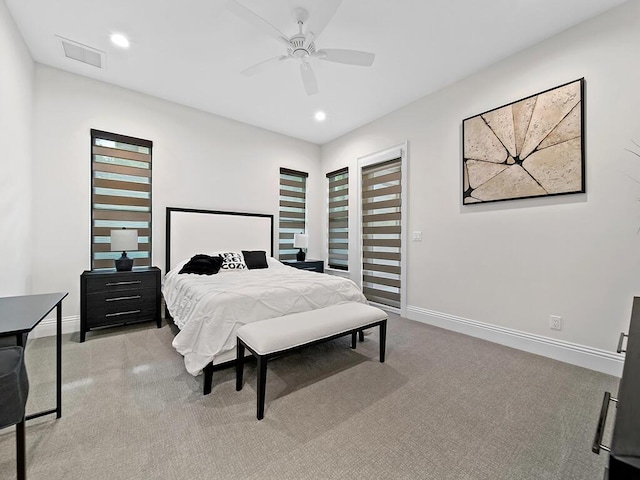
[575, 354]
[47, 327]
[583, 356]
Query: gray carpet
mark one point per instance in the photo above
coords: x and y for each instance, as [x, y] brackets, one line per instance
[443, 406]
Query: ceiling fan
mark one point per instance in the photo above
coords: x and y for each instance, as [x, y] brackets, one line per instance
[301, 46]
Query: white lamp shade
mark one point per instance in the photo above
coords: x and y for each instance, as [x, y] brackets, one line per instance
[124, 240]
[300, 240]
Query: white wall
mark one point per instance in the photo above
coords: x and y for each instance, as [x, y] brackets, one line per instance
[512, 264]
[199, 161]
[16, 109]
[509, 264]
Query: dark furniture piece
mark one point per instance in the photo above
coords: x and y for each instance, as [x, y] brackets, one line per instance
[14, 389]
[109, 298]
[312, 265]
[18, 317]
[624, 453]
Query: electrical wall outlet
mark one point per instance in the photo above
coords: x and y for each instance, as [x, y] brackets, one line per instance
[417, 236]
[555, 322]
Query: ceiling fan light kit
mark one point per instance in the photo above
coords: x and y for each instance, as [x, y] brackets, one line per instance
[300, 46]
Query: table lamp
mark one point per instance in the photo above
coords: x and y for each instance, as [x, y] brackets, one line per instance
[300, 240]
[122, 241]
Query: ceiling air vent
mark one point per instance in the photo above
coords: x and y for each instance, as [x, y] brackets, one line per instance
[82, 53]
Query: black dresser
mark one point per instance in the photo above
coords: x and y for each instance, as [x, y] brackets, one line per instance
[624, 453]
[109, 298]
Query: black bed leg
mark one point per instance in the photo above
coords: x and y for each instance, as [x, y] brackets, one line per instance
[361, 335]
[208, 379]
[383, 340]
[262, 382]
[239, 364]
[353, 340]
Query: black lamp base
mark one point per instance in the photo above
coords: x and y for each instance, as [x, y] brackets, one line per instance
[300, 256]
[124, 263]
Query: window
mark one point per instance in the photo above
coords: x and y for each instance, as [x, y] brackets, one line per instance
[293, 192]
[120, 195]
[381, 232]
[338, 234]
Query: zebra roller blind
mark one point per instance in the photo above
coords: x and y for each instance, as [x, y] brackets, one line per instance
[381, 232]
[338, 234]
[293, 194]
[120, 195]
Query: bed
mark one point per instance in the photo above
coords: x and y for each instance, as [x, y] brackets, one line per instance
[208, 309]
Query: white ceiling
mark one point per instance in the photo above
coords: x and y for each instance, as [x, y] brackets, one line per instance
[192, 51]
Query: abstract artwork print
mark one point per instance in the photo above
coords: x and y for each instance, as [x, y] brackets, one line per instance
[530, 148]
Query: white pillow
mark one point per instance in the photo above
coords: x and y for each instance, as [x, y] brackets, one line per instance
[232, 261]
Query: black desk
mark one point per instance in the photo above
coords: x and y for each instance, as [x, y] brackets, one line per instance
[19, 316]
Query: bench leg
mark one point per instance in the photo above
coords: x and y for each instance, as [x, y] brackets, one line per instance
[239, 364]
[353, 340]
[383, 340]
[361, 335]
[208, 379]
[262, 383]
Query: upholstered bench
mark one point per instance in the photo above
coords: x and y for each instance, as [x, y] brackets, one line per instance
[273, 337]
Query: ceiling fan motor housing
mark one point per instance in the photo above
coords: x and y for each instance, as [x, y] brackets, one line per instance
[297, 48]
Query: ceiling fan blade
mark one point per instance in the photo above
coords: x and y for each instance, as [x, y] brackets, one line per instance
[257, 21]
[259, 67]
[350, 57]
[320, 15]
[308, 78]
[308, 38]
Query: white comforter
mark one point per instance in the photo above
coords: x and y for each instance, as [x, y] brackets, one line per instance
[209, 309]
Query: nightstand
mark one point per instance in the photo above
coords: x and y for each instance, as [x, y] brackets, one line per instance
[109, 298]
[312, 265]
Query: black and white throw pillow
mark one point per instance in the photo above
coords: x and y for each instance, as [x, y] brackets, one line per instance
[232, 261]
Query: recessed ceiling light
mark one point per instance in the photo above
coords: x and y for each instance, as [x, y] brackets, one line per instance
[320, 116]
[120, 40]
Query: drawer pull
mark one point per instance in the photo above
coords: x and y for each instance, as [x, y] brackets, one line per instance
[619, 349]
[128, 312]
[115, 299]
[130, 282]
[597, 441]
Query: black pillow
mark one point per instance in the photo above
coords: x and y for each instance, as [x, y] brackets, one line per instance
[202, 265]
[255, 259]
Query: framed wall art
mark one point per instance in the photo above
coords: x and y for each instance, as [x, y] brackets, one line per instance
[530, 148]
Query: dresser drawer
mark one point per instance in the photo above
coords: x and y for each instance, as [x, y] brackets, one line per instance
[311, 268]
[311, 265]
[120, 297]
[114, 316]
[117, 282]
